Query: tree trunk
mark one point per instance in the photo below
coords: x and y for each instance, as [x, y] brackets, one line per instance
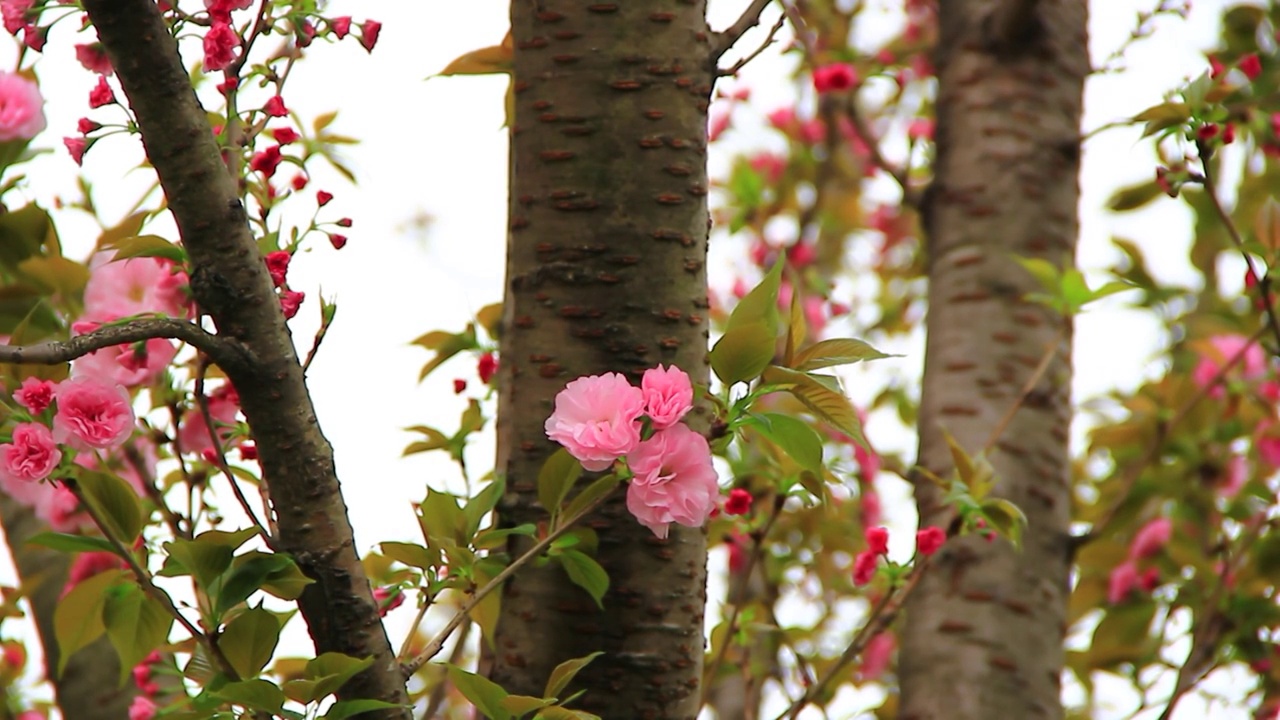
[89, 688]
[605, 273]
[983, 637]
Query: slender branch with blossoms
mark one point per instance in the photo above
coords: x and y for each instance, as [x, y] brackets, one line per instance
[224, 351]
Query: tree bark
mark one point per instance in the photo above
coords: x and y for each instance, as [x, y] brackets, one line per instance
[230, 283]
[605, 273]
[89, 687]
[983, 636]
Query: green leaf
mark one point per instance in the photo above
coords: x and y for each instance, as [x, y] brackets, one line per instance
[256, 694]
[446, 346]
[288, 582]
[136, 624]
[57, 274]
[147, 246]
[324, 676]
[77, 620]
[590, 494]
[479, 507]
[115, 501]
[521, 705]
[249, 641]
[435, 440]
[441, 517]
[1007, 518]
[796, 438]
[411, 554]
[1162, 117]
[839, 351]
[760, 305]
[494, 538]
[743, 352]
[350, 708]
[565, 672]
[485, 694]
[556, 479]
[203, 560]
[71, 543]
[1045, 273]
[824, 401]
[248, 574]
[1134, 197]
[490, 318]
[586, 573]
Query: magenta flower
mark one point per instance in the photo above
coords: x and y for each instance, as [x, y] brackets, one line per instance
[1151, 538]
[1252, 365]
[31, 456]
[1124, 578]
[668, 395]
[21, 108]
[92, 414]
[595, 419]
[674, 480]
[35, 394]
[220, 45]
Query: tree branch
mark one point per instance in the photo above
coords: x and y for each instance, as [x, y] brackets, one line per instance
[224, 352]
[230, 283]
[730, 35]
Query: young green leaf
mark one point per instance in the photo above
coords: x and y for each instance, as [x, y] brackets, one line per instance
[136, 624]
[115, 501]
[743, 352]
[837, 351]
[565, 672]
[556, 479]
[77, 620]
[484, 694]
[586, 573]
[249, 641]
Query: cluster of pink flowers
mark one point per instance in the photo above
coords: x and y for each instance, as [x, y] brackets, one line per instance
[278, 267]
[21, 108]
[116, 290]
[928, 541]
[1147, 543]
[598, 419]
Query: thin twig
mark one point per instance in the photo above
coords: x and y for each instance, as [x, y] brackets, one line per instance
[222, 350]
[1034, 379]
[437, 643]
[203, 403]
[757, 551]
[806, 41]
[730, 35]
[439, 691]
[1262, 283]
[768, 41]
[882, 616]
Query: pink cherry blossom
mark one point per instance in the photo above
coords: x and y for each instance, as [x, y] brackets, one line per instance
[738, 503]
[668, 395]
[835, 77]
[929, 540]
[876, 656]
[35, 394]
[61, 510]
[194, 435]
[94, 58]
[290, 301]
[15, 14]
[1124, 578]
[133, 287]
[864, 567]
[1151, 538]
[129, 365]
[21, 107]
[31, 456]
[869, 509]
[92, 414]
[220, 45]
[674, 480]
[595, 419]
[142, 708]
[877, 540]
[1223, 348]
[101, 94]
[88, 564]
[369, 31]
[76, 147]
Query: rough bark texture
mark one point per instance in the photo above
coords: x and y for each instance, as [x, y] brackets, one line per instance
[89, 688]
[230, 282]
[983, 637]
[605, 272]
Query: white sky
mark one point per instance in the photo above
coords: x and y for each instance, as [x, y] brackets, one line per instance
[437, 148]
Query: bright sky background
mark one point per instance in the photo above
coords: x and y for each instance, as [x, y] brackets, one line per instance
[437, 149]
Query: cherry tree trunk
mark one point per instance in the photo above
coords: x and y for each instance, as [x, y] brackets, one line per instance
[983, 636]
[605, 273]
